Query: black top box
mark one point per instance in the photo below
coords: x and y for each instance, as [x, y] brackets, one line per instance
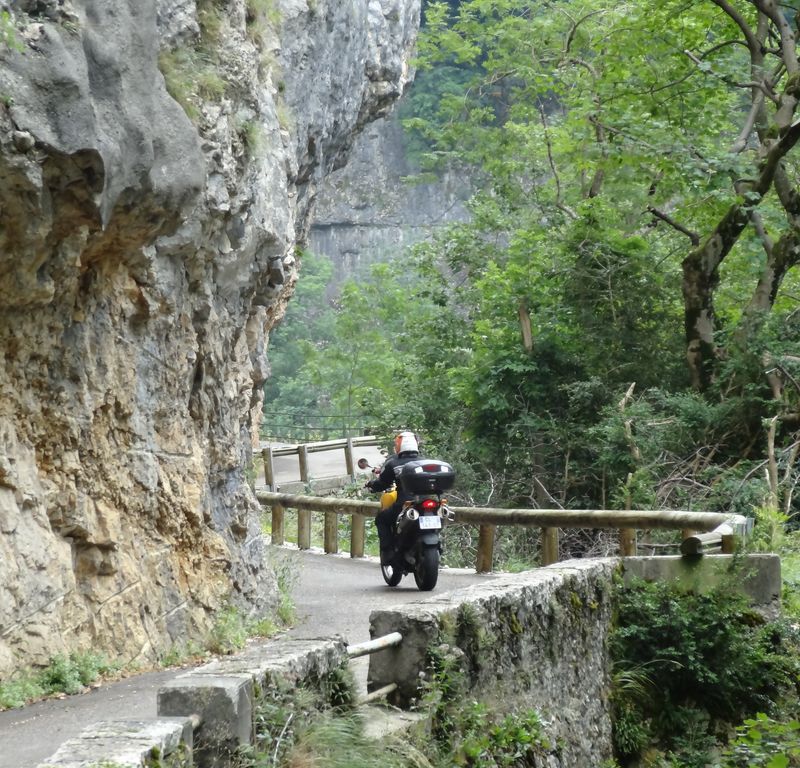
[427, 476]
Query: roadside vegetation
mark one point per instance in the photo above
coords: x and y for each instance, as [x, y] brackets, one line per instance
[695, 674]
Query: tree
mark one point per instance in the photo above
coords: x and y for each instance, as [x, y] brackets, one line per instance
[680, 117]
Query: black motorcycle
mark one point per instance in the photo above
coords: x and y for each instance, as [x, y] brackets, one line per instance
[418, 546]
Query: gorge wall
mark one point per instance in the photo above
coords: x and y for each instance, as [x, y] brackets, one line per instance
[380, 203]
[146, 249]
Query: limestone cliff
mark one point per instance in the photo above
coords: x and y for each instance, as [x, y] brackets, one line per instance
[146, 248]
[380, 203]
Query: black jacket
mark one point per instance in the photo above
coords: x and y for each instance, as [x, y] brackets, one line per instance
[390, 473]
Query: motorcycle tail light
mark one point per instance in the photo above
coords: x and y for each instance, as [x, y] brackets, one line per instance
[429, 505]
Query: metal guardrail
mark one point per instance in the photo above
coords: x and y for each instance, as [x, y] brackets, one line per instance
[372, 646]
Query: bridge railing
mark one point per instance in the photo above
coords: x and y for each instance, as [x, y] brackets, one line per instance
[719, 530]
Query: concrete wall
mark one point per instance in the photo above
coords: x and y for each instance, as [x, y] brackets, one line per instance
[207, 713]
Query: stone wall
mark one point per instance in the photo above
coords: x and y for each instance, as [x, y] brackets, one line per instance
[539, 639]
[146, 249]
[535, 639]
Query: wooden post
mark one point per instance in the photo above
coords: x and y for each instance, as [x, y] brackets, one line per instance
[331, 541]
[728, 543]
[303, 515]
[269, 468]
[627, 542]
[348, 458]
[627, 536]
[687, 533]
[304, 529]
[357, 535]
[278, 531]
[549, 546]
[486, 535]
[302, 455]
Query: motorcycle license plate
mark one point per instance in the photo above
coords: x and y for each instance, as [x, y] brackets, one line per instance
[430, 522]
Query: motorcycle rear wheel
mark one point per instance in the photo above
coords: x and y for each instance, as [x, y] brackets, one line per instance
[426, 571]
[391, 574]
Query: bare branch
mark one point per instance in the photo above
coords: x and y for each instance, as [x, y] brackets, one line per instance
[559, 203]
[747, 128]
[788, 48]
[693, 236]
[753, 43]
[758, 225]
[723, 78]
[574, 28]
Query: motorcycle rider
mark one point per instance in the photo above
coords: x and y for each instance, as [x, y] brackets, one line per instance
[406, 448]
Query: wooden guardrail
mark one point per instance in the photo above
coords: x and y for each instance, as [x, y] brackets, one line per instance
[722, 527]
[302, 450]
[392, 640]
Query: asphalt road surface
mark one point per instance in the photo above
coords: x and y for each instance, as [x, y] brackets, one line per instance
[333, 594]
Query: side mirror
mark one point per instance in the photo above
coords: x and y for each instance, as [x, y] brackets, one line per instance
[363, 464]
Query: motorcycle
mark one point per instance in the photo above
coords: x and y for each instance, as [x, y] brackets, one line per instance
[418, 545]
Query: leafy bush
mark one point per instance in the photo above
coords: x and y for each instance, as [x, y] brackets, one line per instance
[709, 658]
[761, 741]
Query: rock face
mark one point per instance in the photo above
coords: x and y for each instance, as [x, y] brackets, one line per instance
[146, 248]
[378, 204]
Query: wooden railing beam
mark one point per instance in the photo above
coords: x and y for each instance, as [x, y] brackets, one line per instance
[721, 528]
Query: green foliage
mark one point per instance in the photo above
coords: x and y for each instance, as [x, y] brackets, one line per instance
[64, 674]
[191, 76]
[261, 16]
[700, 659]
[8, 33]
[251, 133]
[229, 632]
[484, 739]
[467, 732]
[764, 743]
[315, 722]
[194, 74]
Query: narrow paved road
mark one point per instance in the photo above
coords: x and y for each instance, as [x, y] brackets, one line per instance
[333, 595]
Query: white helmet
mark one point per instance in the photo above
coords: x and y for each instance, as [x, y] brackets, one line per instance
[408, 442]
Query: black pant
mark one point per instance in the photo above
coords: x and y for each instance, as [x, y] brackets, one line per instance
[384, 521]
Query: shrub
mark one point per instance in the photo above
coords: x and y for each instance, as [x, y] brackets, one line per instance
[762, 741]
[709, 658]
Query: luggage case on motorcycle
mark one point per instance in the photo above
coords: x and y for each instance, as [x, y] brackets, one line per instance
[427, 476]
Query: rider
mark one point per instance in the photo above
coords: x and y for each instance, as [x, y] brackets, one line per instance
[406, 449]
